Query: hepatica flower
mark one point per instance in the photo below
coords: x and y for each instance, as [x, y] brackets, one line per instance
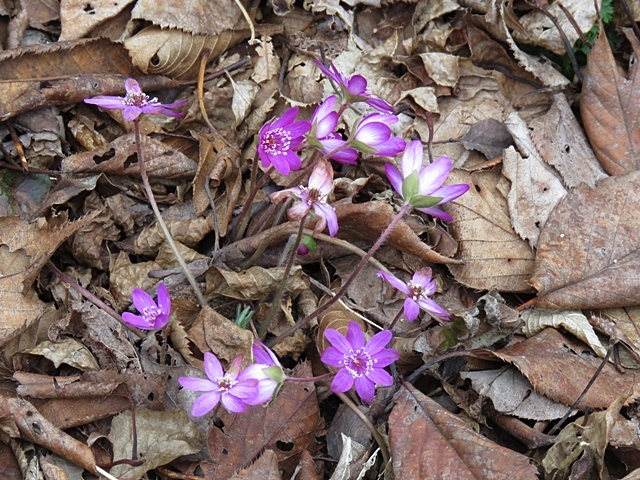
[324, 137]
[417, 292]
[235, 389]
[153, 316]
[136, 102]
[422, 186]
[354, 89]
[373, 135]
[278, 140]
[267, 371]
[361, 364]
[313, 196]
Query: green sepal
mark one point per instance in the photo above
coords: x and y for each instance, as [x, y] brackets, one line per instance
[309, 242]
[362, 147]
[411, 186]
[274, 373]
[424, 201]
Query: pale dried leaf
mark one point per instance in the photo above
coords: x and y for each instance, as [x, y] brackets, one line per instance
[79, 17]
[68, 351]
[441, 67]
[572, 321]
[253, 284]
[244, 93]
[268, 64]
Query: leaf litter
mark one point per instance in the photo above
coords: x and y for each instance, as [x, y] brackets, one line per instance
[547, 229]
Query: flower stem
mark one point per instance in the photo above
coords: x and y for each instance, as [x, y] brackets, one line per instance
[403, 211]
[156, 211]
[255, 186]
[367, 423]
[271, 313]
[395, 320]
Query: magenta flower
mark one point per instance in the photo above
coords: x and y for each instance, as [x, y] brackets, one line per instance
[354, 89]
[359, 363]
[136, 102]
[267, 371]
[278, 140]
[429, 181]
[324, 137]
[314, 196]
[417, 291]
[235, 389]
[154, 315]
[373, 135]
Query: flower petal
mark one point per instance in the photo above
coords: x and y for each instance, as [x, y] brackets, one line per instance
[434, 175]
[395, 282]
[412, 158]
[391, 147]
[132, 86]
[322, 177]
[287, 118]
[106, 102]
[329, 215]
[164, 300]
[373, 134]
[366, 389]
[212, 367]
[298, 210]
[451, 192]
[347, 156]
[395, 179]
[297, 129]
[233, 403]
[332, 356]
[357, 86]
[433, 308]
[337, 340]
[205, 403]
[386, 357]
[342, 382]
[131, 112]
[380, 104]
[197, 384]
[378, 342]
[380, 377]
[160, 321]
[142, 300]
[411, 309]
[136, 321]
[423, 277]
[328, 73]
[263, 354]
[355, 335]
[437, 213]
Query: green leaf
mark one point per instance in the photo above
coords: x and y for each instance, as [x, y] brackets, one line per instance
[361, 147]
[274, 373]
[411, 186]
[424, 201]
[309, 242]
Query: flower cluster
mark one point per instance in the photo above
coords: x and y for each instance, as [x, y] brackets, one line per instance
[237, 388]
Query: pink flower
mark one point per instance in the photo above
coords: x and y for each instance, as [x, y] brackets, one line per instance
[359, 363]
[373, 135]
[278, 140]
[154, 315]
[324, 137]
[427, 181]
[235, 389]
[417, 291]
[354, 89]
[314, 196]
[267, 371]
[136, 102]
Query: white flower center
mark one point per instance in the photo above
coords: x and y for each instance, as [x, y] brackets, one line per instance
[225, 383]
[358, 363]
[314, 195]
[150, 314]
[138, 99]
[416, 291]
[276, 141]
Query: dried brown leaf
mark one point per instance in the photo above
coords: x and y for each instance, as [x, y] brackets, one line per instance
[589, 250]
[560, 368]
[287, 426]
[493, 254]
[609, 104]
[490, 137]
[265, 467]
[78, 17]
[253, 284]
[447, 446]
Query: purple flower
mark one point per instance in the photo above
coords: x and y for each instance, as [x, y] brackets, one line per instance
[429, 180]
[359, 363]
[154, 315]
[354, 89]
[235, 389]
[136, 102]
[417, 291]
[323, 136]
[373, 135]
[267, 371]
[278, 140]
[315, 195]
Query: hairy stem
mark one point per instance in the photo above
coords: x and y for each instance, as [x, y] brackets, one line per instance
[156, 211]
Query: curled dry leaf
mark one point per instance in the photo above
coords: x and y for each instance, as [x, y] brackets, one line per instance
[589, 250]
[493, 254]
[609, 104]
[429, 442]
[253, 284]
[337, 317]
[78, 17]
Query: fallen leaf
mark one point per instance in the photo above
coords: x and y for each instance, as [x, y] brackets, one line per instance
[253, 284]
[265, 468]
[79, 17]
[494, 255]
[287, 426]
[161, 437]
[68, 351]
[561, 142]
[490, 137]
[429, 442]
[559, 369]
[588, 252]
[609, 105]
